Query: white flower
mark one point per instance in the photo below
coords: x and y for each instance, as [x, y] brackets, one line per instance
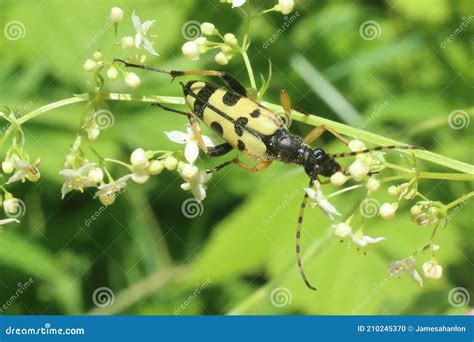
[432, 270]
[24, 170]
[96, 175]
[156, 166]
[8, 166]
[7, 221]
[221, 58]
[285, 6]
[132, 79]
[393, 190]
[107, 192]
[208, 29]
[127, 42]
[356, 145]
[93, 132]
[78, 179]
[362, 240]
[398, 267]
[190, 50]
[342, 229]
[201, 41]
[141, 32]
[237, 3]
[322, 202]
[388, 210]
[97, 55]
[116, 15]
[196, 184]
[139, 159]
[358, 170]
[189, 171]
[338, 178]
[229, 38]
[140, 164]
[373, 184]
[112, 72]
[191, 150]
[170, 163]
[11, 206]
[89, 65]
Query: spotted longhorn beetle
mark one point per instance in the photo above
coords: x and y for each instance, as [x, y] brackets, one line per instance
[255, 131]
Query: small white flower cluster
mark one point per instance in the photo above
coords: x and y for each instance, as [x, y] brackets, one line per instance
[79, 173]
[131, 42]
[18, 168]
[283, 6]
[228, 46]
[194, 178]
[427, 213]
[431, 268]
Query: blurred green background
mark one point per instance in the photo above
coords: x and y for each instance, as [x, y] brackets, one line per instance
[241, 249]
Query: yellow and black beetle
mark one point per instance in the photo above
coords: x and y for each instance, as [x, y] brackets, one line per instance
[255, 131]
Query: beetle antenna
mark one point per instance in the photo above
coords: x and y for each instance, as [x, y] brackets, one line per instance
[378, 148]
[298, 237]
[140, 66]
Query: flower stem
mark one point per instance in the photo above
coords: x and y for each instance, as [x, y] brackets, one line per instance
[298, 116]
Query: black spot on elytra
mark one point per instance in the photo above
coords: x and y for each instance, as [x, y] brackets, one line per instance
[240, 145]
[202, 99]
[240, 125]
[256, 113]
[216, 127]
[230, 99]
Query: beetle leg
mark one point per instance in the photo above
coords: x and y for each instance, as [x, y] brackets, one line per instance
[317, 131]
[286, 104]
[257, 168]
[157, 104]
